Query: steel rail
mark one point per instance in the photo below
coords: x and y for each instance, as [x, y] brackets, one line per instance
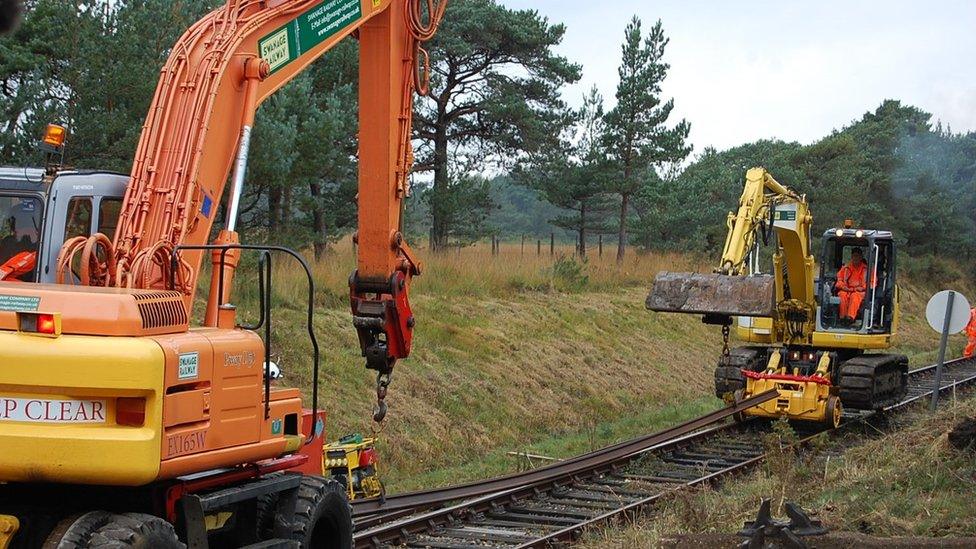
[375, 520]
[571, 532]
[397, 528]
[529, 481]
[563, 469]
[945, 386]
[370, 512]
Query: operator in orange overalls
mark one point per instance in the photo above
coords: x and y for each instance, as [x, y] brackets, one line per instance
[851, 285]
[971, 332]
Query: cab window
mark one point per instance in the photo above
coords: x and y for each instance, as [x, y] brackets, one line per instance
[875, 311]
[108, 216]
[19, 237]
[78, 222]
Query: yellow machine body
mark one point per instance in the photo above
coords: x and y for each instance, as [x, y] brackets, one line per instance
[802, 400]
[131, 404]
[761, 330]
[90, 374]
[801, 397]
[354, 460]
[9, 526]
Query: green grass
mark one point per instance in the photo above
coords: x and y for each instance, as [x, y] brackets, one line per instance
[512, 352]
[559, 445]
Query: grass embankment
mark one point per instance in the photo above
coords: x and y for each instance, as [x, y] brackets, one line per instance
[512, 352]
[909, 483]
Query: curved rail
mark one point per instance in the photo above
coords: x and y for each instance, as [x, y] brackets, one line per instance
[556, 503]
[559, 470]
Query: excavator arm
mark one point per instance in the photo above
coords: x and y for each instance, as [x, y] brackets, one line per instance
[757, 205]
[787, 296]
[198, 131]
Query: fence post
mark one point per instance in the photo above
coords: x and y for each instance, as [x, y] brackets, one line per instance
[523, 244]
[538, 247]
[601, 245]
[552, 244]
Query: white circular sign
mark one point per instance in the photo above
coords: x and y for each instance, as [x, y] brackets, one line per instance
[935, 312]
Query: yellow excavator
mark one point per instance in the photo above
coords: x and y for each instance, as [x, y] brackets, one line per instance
[807, 336]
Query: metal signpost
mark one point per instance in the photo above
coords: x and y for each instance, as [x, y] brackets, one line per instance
[947, 313]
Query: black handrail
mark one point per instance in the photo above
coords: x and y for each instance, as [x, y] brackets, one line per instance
[266, 311]
[264, 273]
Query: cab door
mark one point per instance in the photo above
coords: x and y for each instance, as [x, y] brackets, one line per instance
[21, 219]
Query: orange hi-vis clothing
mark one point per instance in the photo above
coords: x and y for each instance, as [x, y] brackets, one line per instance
[971, 332]
[851, 285]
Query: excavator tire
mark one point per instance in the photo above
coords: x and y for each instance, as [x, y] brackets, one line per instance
[323, 516]
[266, 510]
[871, 382]
[104, 530]
[728, 372]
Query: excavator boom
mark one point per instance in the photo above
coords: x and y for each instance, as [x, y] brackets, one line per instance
[198, 131]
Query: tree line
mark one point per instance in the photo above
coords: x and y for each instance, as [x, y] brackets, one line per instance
[497, 146]
[892, 169]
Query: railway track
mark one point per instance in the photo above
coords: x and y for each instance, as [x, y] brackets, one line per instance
[557, 502]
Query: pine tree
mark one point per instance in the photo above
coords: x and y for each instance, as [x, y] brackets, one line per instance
[637, 136]
[573, 176]
[494, 96]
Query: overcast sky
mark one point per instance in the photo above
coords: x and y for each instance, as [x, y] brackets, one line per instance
[793, 70]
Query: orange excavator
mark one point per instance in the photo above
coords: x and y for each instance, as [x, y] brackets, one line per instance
[120, 423]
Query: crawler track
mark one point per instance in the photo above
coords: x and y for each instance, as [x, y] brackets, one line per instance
[556, 503]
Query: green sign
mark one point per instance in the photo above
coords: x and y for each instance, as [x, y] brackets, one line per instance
[307, 31]
[785, 215]
[17, 303]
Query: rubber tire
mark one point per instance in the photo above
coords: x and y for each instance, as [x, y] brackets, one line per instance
[266, 510]
[323, 516]
[103, 530]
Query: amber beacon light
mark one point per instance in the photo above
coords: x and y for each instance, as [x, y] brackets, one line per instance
[54, 136]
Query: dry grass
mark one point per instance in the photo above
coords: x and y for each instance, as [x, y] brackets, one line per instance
[908, 483]
[475, 271]
[511, 351]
